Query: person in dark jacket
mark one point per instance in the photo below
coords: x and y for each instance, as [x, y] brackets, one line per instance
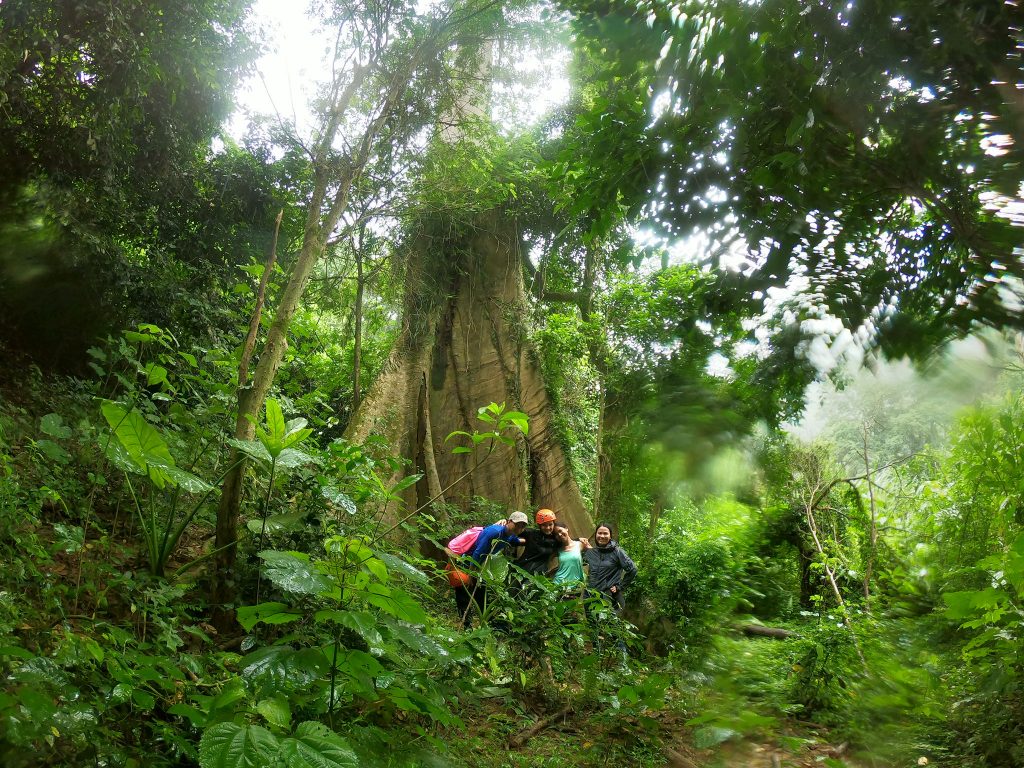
[541, 544]
[610, 569]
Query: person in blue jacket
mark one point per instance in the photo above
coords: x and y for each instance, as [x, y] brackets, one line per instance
[492, 540]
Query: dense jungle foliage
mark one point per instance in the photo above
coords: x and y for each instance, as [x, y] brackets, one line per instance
[750, 296]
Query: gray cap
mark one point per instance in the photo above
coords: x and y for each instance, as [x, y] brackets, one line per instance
[518, 517]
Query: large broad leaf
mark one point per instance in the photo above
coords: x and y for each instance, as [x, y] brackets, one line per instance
[118, 455]
[712, 735]
[290, 521]
[517, 419]
[53, 452]
[53, 425]
[397, 602]
[229, 745]
[361, 622]
[295, 432]
[294, 572]
[405, 482]
[289, 458]
[338, 498]
[273, 436]
[276, 712]
[317, 746]
[963, 605]
[270, 661]
[186, 480]
[398, 565]
[143, 444]
[254, 449]
[279, 665]
[426, 646]
[266, 613]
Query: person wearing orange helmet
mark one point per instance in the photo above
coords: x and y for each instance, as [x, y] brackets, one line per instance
[541, 544]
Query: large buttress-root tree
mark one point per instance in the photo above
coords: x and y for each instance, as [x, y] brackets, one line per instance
[462, 346]
[382, 71]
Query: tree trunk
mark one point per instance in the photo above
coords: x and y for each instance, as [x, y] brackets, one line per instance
[461, 347]
[357, 341]
[805, 555]
[869, 565]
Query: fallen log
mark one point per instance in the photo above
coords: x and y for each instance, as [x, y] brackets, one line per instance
[525, 735]
[760, 630]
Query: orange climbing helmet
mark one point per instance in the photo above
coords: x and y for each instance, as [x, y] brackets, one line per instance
[545, 516]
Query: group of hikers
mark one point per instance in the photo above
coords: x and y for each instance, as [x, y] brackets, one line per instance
[547, 550]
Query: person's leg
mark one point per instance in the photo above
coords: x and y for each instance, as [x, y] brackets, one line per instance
[618, 603]
[462, 603]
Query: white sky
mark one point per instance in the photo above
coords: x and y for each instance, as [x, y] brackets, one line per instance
[295, 61]
[287, 73]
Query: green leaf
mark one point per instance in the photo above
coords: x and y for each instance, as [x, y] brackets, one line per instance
[796, 127]
[338, 498]
[290, 521]
[281, 665]
[53, 425]
[254, 449]
[144, 445]
[377, 568]
[229, 745]
[155, 374]
[962, 605]
[405, 482]
[397, 602]
[186, 480]
[14, 651]
[195, 716]
[317, 746]
[275, 427]
[53, 452]
[118, 455]
[289, 458]
[712, 736]
[361, 622]
[399, 565]
[295, 432]
[266, 613]
[424, 645]
[234, 690]
[516, 419]
[276, 712]
[293, 572]
[70, 538]
[461, 449]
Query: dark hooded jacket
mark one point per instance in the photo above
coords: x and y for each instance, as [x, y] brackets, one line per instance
[540, 548]
[610, 566]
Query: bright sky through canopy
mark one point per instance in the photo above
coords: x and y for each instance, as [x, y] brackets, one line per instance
[295, 60]
[291, 66]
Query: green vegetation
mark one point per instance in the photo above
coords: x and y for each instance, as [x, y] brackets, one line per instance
[751, 296]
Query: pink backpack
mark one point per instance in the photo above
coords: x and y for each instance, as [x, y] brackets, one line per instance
[464, 542]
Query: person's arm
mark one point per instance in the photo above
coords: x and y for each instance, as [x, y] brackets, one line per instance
[629, 570]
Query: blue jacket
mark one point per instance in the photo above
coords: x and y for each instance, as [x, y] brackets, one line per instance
[492, 540]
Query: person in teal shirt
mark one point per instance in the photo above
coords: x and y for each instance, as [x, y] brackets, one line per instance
[569, 573]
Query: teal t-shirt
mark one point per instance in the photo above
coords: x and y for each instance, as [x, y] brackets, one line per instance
[570, 566]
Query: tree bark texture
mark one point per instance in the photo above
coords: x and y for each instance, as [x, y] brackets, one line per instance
[461, 350]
